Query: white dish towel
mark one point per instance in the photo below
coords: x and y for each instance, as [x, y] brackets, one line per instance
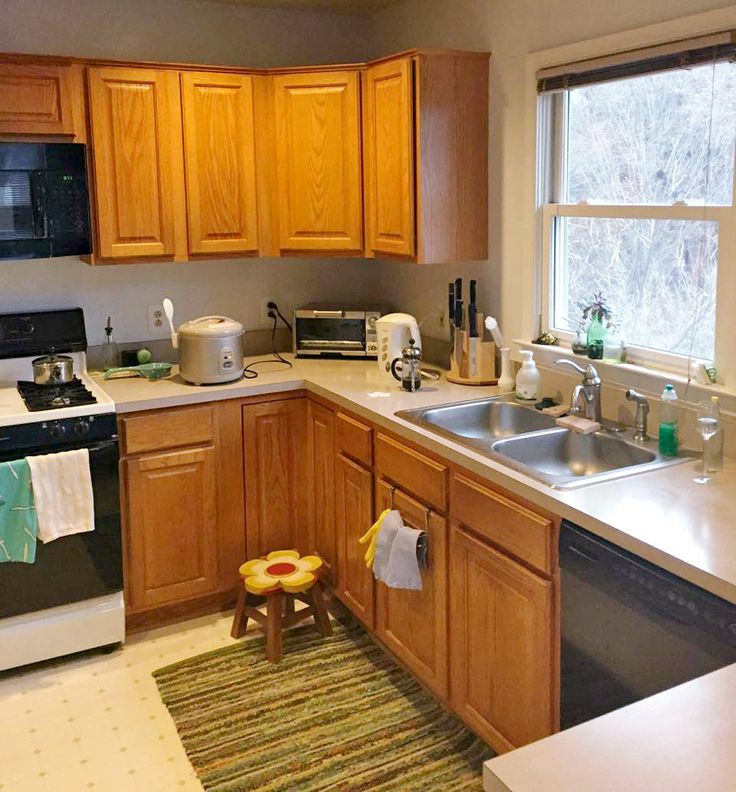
[395, 562]
[62, 490]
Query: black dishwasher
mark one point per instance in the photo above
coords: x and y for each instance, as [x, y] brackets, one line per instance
[630, 629]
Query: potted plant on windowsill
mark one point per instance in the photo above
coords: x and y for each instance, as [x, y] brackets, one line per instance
[598, 315]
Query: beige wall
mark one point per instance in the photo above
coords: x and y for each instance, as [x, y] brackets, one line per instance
[510, 29]
[189, 30]
[184, 31]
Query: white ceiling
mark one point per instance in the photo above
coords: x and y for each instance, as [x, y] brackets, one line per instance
[343, 6]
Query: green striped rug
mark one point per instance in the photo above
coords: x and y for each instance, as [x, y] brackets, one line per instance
[336, 714]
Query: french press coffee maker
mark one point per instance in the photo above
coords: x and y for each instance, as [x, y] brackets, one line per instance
[408, 368]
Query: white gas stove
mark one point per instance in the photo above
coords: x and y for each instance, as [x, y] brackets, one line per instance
[64, 401]
[71, 597]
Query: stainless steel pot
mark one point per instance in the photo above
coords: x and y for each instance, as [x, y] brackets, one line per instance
[53, 369]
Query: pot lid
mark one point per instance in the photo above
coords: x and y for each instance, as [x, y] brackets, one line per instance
[50, 360]
[211, 327]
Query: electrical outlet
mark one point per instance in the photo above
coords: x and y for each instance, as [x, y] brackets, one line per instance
[158, 327]
[266, 320]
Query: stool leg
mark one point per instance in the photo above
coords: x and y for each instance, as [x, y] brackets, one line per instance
[321, 619]
[288, 604]
[238, 628]
[274, 650]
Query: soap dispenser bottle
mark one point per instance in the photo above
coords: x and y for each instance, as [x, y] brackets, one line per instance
[528, 378]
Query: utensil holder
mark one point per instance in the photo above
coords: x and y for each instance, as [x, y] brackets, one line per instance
[460, 364]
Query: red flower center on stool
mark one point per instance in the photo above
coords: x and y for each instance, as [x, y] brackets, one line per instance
[279, 570]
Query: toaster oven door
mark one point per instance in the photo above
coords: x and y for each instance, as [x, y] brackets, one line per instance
[323, 333]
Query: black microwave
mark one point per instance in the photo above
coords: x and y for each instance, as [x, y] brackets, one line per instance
[44, 200]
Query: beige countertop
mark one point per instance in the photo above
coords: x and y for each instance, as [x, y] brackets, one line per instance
[681, 740]
[661, 515]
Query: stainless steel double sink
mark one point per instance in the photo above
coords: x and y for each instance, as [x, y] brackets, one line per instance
[529, 441]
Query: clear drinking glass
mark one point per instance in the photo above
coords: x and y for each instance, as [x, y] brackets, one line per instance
[709, 417]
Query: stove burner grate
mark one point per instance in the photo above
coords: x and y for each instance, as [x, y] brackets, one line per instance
[53, 397]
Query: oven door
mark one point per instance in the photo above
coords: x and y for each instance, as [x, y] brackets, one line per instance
[323, 333]
[77, 567]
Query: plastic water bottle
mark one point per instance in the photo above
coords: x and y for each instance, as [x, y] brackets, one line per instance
[669, 440]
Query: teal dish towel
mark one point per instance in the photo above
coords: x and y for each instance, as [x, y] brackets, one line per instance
[18, 526]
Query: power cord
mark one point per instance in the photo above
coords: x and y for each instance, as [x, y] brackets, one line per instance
[275, 314]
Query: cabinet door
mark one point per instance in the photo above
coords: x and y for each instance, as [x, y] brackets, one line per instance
[389, 157]
[274, 451]
[353, 517]
[501, 639]
[35, 99]
[321, 487]
[413, 624]
[318, 161]
[219, 149]
[172, 526]
[138, 162]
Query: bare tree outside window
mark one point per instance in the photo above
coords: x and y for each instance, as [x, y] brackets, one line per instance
[656, 140]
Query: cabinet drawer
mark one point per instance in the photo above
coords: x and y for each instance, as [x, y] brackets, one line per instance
[156, 431]
[513, 527]
[354, 439]
[412, 471]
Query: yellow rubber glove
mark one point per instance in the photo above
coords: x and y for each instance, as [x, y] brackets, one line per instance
[371, 536]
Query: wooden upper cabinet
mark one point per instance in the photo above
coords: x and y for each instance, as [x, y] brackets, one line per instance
[36, 99]
[502, 645]
[426, 157]
[138, 162]
[389, 157]
[318, 161]
[219, 149]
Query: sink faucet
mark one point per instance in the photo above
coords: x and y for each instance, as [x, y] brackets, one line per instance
[642, 413]
[589, 391]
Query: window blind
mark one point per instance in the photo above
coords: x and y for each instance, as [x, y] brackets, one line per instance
[648, 60]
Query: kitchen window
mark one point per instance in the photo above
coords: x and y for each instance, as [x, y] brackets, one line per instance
[636, 196]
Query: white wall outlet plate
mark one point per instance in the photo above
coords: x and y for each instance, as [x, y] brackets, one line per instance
[158, 327]
[266, 320]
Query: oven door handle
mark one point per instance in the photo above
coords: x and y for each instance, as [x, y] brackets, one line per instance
[104, 444]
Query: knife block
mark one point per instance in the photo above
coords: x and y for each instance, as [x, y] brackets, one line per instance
[485, 369]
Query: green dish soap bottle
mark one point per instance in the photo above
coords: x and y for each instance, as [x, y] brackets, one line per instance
[669, 440]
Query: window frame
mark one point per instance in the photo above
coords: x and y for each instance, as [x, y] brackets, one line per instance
[552, 150]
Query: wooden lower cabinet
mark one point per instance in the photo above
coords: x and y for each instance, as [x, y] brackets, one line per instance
[275, 476]
[502, 642]
[172, 526]
[413, 624]
[321, 487]
[353, 517]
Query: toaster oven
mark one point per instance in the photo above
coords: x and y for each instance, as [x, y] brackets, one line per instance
[327, 330]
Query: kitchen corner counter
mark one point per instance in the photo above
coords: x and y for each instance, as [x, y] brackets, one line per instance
[661, 515]
[676, 741]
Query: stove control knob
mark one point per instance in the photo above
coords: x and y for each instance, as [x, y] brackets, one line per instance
[57, 430]
[81, 427]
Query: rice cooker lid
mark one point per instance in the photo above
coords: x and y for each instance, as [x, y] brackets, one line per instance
[211, 327]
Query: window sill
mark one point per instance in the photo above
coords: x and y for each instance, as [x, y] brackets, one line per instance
[628, 375]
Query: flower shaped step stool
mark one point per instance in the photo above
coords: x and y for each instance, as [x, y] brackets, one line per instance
[279, 579]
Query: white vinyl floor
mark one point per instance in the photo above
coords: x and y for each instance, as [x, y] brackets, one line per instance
[96, 722]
